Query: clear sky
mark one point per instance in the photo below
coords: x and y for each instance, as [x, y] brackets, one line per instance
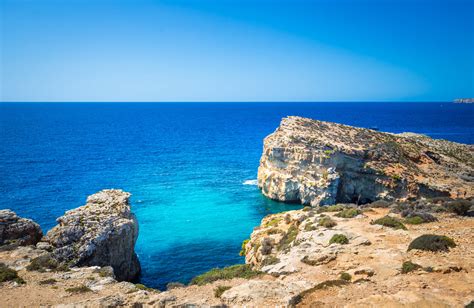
[261, 50]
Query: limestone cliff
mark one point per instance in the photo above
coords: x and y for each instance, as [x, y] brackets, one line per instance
[102, 233]
[319, 163]
[17, 231]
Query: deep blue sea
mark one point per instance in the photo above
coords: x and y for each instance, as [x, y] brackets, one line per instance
[185, 165]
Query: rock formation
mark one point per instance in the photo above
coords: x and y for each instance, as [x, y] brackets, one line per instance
[320, 163]
[102, 233]
[17, 231]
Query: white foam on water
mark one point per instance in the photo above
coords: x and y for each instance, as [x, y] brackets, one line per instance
[250, 182]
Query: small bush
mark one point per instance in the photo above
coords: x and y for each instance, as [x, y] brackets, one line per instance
[270, 260]
[79, 289]
[234, 271]
[459, 207]
[327, 222]
[143, 287]
[306, 209]
[274, 231]
[431, 242]
[409, 266]
[220, 290]
[331, 208]
[339, 239]
[273, 222]
[44, 262]
[288, 238]
[310, 227]
[242, 250]
[349, 213]
[345, 276]
[8, 274]
[48, 281]
[416, 218]
[391, 222]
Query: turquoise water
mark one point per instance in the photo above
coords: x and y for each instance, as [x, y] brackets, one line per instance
[185, 165]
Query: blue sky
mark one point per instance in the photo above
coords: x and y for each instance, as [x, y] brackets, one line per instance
[261, 50]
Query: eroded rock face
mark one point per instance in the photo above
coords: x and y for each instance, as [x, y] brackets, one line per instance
[17, 231]
[319, 163]
[101, 233]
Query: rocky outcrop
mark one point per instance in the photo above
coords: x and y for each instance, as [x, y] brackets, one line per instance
[101, 233]
[17, 231]
[320, 163]
[464, 100]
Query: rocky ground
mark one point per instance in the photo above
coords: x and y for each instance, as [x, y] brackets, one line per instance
[294, 265]
[319, 163]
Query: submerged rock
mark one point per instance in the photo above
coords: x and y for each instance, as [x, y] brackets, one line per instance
[16, 231]
[320, 163]
[101, 233]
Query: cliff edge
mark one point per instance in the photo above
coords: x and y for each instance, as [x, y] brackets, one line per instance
[103, 232]
[320, 163]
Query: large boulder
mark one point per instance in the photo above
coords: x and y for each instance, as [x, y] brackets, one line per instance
[319, 163]
[102, 233]
[17, 231]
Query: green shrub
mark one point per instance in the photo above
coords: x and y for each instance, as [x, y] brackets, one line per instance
[274, 231]
[409, 266]
[242, 250]
[391, 222]
[220, 290]
[48, 281]
[270, 260]
[415, 220]
[345, 276]
[288, 238]
[310, 227]
[45, 262]
[431, 242]
[143, 287]
[339, 239]
[79, 289]
[327, 222]
[174, 285]
[273, 222]
[8, 274]
[331, 208]
[459, 207]
[470, 305]
[234, 271]
[306, 209]
[349, 213]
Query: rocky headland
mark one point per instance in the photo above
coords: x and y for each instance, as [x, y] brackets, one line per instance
[321, 163]
[396, 231]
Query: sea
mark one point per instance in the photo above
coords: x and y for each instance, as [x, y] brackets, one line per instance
[191, 167]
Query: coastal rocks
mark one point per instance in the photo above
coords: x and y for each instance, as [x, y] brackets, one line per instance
[101, 233]
[320, 163]
[16, 231]
[265, 292]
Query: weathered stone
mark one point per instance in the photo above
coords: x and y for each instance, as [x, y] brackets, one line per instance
[320, 163]
[16, 231]
[103, 233]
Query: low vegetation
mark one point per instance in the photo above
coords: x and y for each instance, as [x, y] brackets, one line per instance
[339, 239]
[8, 274]
[234, 271]
[79, 289]
[326, 222]
[409, 266]
[459, 207]
[270, 260]
[48, 281]
[174, 285]
[310, 227]
[391, 222]
[45, 262]
[143, 287]
[349, 213]
[431, 242]
[242, 250]
[220, 290]
[331, 208]
[273, 222]
[345, 276]
[288, 238]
